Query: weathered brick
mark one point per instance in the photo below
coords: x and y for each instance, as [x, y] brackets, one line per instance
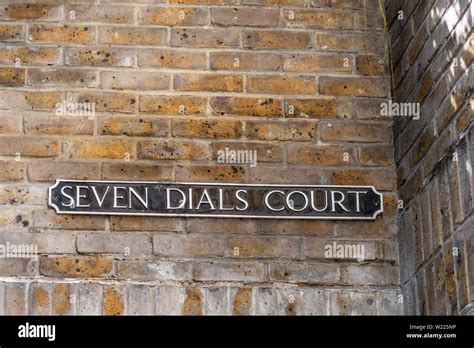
[376, 156]
[133, 36]
[53, 243]
[9, 124]
[173, 150]
[136, 171]
[77, 34]
[324, 155]
[115, 149]
[282, 131]
[244, 61]
[241, 301]
[372, 275]
[267, 226]
[19, 195]
[172, 105]
[370, 65]
[207, 128]
[356, 132]
[228, 271]
[250, 247]
[290, 40]
[278, 84]
[212, 38]
[154, 270]
[360, 87]
[62, 299]
[89, 298]
[51, 170]
[17, 267]
[210, 173]
[12, 77]
[315, 301]
[390, 203]
[12, 170]
[16, 299]
[22, 100]
[62, 77]
[113, 302]
[318, 63]
[76, 267]
[105, 101]
[379, 228]
[30, 55]
[245, 16]
[381, 179]
[370, 18]
[265, 107]
[40, 295]
[11, 32]
[465, 181]
[318, 108]
[265, 152]
[58, 125]
[48, 219]
[314, 273]
[278, 175]
[132, 126]
[140, 223]
[216, 301]
[100, 56]
[354, 4]
[265, 301]
[192, 304]
[135, 80]
[169, 299]
[29, 12]
[348, 302]
[179, 245]
[99, 13]
[18, 219]
[139, 299]
[208, 82]
[389, 303]
[118, 243]
[321, 19]
[29, 146]
[289, 301]
[355, 42]
[166, 58]
[174, 16]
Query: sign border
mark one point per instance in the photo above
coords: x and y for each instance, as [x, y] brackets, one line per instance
[56, 208]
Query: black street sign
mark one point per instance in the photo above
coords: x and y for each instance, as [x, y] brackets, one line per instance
[215, 200]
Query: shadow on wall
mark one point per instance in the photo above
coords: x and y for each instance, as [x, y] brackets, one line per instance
[432, 49]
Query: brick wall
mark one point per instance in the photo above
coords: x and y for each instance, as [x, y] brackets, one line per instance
[174, 81]
[432, 51]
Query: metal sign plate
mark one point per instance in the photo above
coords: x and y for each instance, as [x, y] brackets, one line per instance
[215, 200]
